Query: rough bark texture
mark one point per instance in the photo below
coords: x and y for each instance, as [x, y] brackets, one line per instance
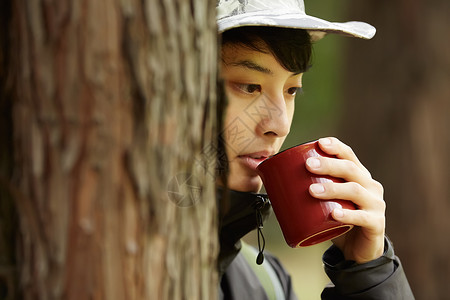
[111, 103]
[397, 119]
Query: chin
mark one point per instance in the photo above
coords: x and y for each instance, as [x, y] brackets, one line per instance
[245, 183]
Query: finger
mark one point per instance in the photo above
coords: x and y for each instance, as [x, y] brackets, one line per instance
[371, 222]
[334, 146]
[349, 191]
[340, 168]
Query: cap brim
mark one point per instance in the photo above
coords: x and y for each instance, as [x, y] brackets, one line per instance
[317, 27]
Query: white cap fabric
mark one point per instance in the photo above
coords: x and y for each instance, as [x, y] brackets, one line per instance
[283, 13]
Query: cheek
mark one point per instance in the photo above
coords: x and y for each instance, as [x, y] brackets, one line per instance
[238, 128]
[290, 108]
[235, 110]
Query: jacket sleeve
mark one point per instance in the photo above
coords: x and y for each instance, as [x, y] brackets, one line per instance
[382, 278]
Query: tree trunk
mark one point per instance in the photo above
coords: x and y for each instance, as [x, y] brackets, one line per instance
[111, 103]
[397, 119]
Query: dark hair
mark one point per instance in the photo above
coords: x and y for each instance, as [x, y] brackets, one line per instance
[291, 47]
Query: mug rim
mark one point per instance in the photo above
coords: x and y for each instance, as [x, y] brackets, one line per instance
[287, 149]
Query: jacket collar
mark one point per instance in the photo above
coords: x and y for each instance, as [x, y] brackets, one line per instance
[238, 215]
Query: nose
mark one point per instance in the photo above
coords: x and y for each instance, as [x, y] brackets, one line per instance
[273, 117]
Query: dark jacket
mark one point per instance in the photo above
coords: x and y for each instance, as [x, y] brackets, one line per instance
[382, 278]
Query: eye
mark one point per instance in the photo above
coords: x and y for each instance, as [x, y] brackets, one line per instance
[294, 90]
[249, 88]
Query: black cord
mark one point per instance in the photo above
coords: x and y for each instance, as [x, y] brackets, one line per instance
[259, 223]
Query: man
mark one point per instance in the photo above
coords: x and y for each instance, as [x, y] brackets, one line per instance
[266, 48]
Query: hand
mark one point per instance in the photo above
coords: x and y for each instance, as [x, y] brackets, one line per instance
[365, 242]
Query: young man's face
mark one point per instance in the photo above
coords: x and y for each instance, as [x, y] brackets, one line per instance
[261, 98]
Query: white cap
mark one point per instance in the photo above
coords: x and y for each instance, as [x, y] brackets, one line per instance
[283, 13]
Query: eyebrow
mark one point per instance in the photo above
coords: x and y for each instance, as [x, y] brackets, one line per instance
[252, 66]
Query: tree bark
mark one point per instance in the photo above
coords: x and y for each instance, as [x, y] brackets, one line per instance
[396, 117]
[112, 102]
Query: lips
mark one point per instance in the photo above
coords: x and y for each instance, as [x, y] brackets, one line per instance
[252, 160]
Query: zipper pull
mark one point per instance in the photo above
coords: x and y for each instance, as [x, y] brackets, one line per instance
[259, 223]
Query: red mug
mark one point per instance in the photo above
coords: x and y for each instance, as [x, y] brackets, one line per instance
[304, 220]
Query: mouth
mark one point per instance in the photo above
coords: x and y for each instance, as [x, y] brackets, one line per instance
[252, 160]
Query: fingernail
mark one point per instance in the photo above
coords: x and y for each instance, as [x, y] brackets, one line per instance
[338, 213]
[317, 188]
[313, 162]
[325, 141]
